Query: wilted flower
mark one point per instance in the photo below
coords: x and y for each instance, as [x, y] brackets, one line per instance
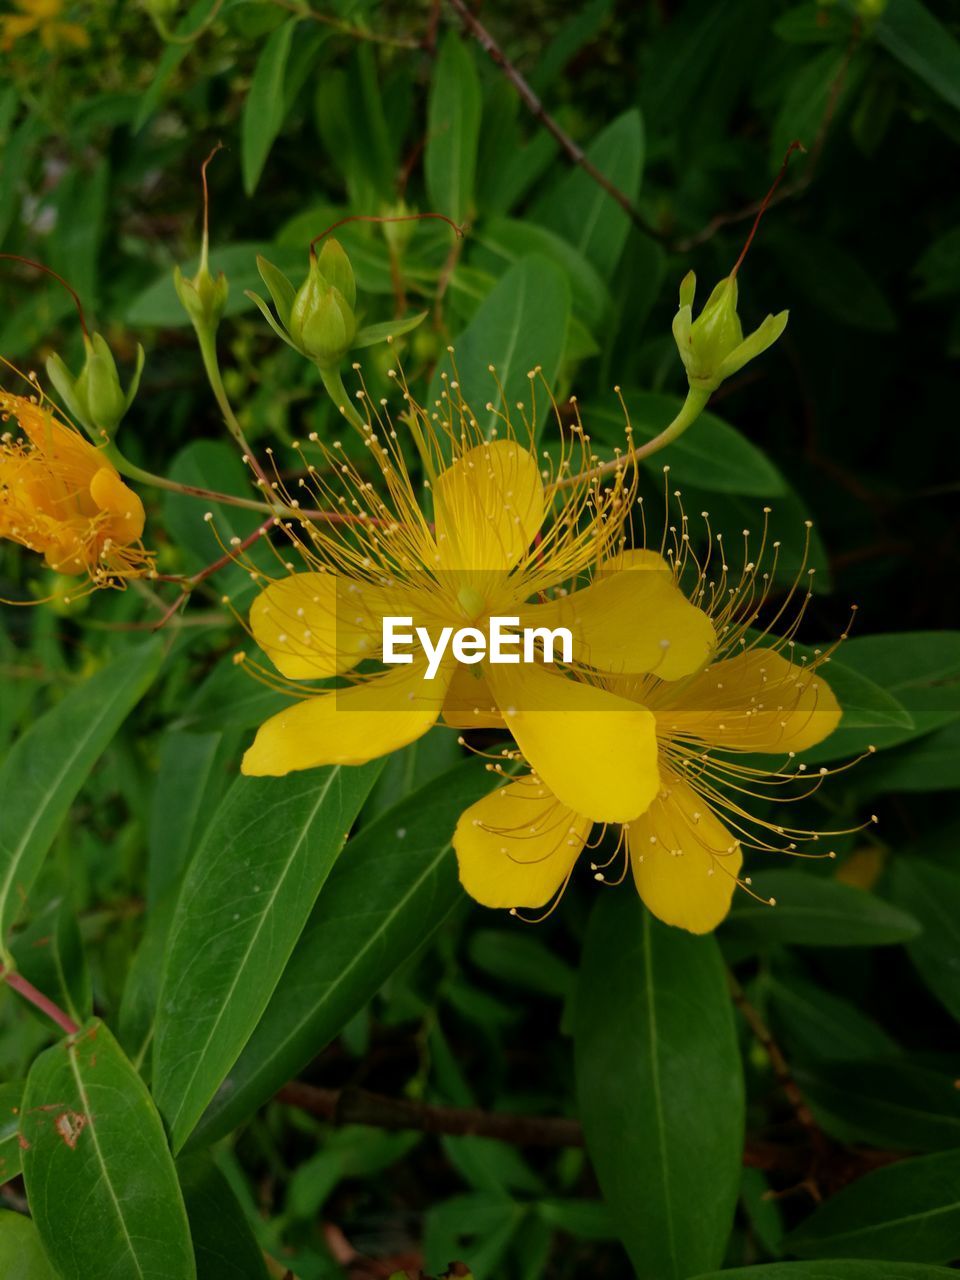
[504, 542]
[518, 846]
[60, 496]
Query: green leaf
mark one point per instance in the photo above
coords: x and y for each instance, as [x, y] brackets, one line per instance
[100, 1180]
[394, 887]
[187, 790]
[833, 281]
[840, 1269]
[173, 54]
[814, 912]
[21, 1253]
[818, 1026]
[887, 1104]
[932, 764]
[245, 899]
[47, 766]
[224, 1246]
[266, 102]
[931, 893]
[453, 131]
[908, 1210]
[522, 323]
[521, 962]
[712, 454]
[660, 1087]
[939, 266]
[216, 465]
[910, 33]
[49, 953]
[11, 1098]
[920, 669]
[865, 705]
[371, 334]
[586, 215]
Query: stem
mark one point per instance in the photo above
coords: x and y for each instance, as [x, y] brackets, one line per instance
[690, 410]
[39, 1001]
[337, 392]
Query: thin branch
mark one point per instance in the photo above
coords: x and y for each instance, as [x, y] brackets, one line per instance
[17, 982]
[359, 1106]
[574, 153]
[221, 563]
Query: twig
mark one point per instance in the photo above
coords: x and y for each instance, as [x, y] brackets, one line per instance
[360, 1106]
[778, 1063]
[574, 153]
[220, 563]
[17, 982]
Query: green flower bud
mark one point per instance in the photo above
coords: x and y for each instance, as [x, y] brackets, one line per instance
[336, 269]
[95, 397]
[713, 347]
[322, 324]
[203, 298]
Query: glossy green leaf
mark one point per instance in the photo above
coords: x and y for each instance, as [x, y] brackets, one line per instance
[371, 334]
[453, 130]
[908, 1210]
[887, 1104]
[22, 1256]
[833, 281]
[244, 901]
[100, 1179]
[816, 1025]
[812, 911]
[660, 1087]
[49, 953]
[47, 766]
[838, 1269]
[394, 886]
[11, 1097]
[583, 212]
[522, 323]
[711, 454]
[264, 108]
[931, 893]
[224, 1246]
[932, 764]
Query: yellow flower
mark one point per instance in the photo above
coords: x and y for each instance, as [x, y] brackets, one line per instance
[41, 16]
[59, 496]
[518, 846]
[504, 542]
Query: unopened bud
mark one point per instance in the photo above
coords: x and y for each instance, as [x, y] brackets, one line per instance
[203, 297]
[95, 397]
[713, 347]
[322, 323]
[336, 269]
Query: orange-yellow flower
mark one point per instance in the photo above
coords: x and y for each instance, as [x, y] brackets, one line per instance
[518, 846]
[60, 497]
[503, 541]
[41, 17]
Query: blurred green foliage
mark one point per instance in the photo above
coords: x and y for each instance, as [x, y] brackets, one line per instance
[396, 984]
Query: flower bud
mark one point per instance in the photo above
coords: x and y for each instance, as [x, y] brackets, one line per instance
[713, 347]
[322, 324]
[336, 269]
[203, 298]
[95, 397]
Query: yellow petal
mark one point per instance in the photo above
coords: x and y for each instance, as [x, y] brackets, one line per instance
[516, 847]
[685, 861]
[631, 620]
[348, 726]
[124, 506]
[314, 625]
[469, 704]
[757, 701]
[488, 506]
[595, 751]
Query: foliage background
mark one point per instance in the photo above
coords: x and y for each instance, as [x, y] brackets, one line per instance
[688, 108]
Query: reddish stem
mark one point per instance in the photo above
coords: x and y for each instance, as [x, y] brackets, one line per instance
[372, 217]
[40, 266]
[794, 146]
[39, 1001]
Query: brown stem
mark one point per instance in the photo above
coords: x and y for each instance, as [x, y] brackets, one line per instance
[573, 152]
[360, 1106]
[17, 982]
[778, 1063]
[227, 558]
